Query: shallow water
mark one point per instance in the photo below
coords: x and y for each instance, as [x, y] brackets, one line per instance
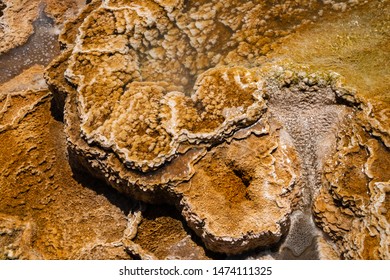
[41, 48]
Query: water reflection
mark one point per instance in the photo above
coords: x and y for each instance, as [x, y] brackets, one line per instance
[41, 48]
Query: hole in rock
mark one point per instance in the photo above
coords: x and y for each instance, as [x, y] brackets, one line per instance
[245, 178]
[2, 7]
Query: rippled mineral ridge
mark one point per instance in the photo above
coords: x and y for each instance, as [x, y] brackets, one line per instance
[243, 125]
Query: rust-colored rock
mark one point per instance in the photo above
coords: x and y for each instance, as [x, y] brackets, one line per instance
[161, 234]
[39, 194]
[229, 112]
[250, 161]
[49, 212]
[162, 107]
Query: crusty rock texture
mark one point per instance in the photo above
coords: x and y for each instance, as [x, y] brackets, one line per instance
[191, 161]
[167, 102]
[49, 212]
[39, 196]
[14, 29]
[29, 33]
[353, 205]
[171, 129]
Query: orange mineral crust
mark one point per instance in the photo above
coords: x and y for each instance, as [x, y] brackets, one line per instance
[172, 129]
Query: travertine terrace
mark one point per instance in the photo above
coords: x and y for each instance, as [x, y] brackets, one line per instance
[198, 130]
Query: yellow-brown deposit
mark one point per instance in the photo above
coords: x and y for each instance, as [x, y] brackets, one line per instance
[353, 205]
[242, 124]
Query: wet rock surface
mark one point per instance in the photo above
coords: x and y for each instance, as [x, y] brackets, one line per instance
[201, 111]
[23, 57]
[29, 32]
[351, 207]
[17, 17]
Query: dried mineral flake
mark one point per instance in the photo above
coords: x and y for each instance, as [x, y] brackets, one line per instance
[172, 129]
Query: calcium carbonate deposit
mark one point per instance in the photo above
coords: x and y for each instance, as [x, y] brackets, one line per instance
[180, 129]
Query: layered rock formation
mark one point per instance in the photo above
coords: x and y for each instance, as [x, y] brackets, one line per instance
[165, 180]
[36, 182]
[353, 205]
[354, 178]
[175, 102]
[47, 211]
[164, 122]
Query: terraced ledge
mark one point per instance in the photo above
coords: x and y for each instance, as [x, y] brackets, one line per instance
[166, 102]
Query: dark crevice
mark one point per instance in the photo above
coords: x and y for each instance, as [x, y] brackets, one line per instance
[347, 103]
[56, 110]
[116, 198]
[153, 212]
[133, 255]
[2, 7]
[246, 179]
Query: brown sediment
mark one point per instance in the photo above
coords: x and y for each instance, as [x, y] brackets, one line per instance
[39, 193]
[162, 225]
[355, 180]
[226, 176]
[64, 10]
[153, 112]
[17, 17]
[204, 106]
